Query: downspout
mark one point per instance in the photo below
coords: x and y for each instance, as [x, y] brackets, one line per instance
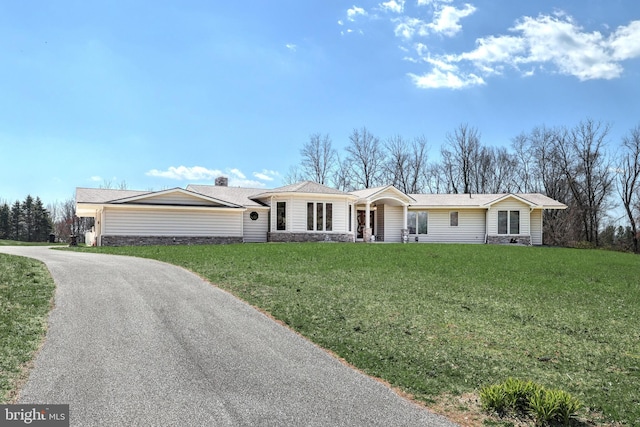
[486, 226]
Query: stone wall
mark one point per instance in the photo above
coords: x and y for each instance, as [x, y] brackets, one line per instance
[309, 237]
[509, 240]
[167, 240]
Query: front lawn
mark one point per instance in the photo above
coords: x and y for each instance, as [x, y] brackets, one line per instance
[445, 320]
[26, 290]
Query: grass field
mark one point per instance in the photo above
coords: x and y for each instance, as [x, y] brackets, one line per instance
[26, 290]
[438, 320]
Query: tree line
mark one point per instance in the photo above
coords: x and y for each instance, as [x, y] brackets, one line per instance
[574, 165]
[26, 221]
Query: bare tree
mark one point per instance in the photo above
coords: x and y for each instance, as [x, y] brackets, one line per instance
[109, 185]
[342, 175]
[406, 163]
[584, 161]
[629, 180]
[318, 158]
[366, 157]
[458, 157]
[294, 175]
[435, 179]
[540, 170]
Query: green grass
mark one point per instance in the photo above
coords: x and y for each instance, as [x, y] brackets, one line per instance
[439, 320]
[26, 290]
[19, 243]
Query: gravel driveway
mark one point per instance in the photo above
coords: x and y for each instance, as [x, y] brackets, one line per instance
[136, 342]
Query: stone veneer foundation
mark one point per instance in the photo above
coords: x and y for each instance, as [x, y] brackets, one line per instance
[506, 240]
[309, 237]
[167, 240]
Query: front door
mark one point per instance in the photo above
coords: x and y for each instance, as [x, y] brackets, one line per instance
[361, 222]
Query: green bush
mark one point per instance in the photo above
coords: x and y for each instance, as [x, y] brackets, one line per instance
[528, 399]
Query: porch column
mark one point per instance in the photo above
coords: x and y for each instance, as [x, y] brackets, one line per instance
[404, 214]
[404, 233]
[366, 233]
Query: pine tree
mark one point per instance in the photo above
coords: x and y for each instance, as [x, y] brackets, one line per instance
[15, 220]
[5, 228]
[42, 222]
[28, 217]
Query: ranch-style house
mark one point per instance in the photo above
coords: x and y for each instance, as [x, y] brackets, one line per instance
[308, 211]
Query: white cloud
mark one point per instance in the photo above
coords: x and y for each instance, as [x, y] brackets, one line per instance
[428, 2]
[408, 27]
[193, 173]
[96, 178]
[292, 47]
[437, 79]
[625, 42]
[266, 175]
[446, 20]
[393, 6]
[355, 11]
[237, 172]
[538, 42]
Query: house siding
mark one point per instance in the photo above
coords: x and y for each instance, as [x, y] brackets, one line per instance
[380, 217]
[470, 229]
[393, 223]
[536, 227]
[509, 205]
[255, 231]
[166, 222]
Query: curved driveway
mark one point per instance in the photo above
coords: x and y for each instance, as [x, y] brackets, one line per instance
[138, 342]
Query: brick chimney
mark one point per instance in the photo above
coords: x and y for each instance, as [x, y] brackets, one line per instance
[222, 181]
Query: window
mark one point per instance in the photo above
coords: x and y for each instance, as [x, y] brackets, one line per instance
[453, 219]
[281, 215]
[350, 218]
[417, 222]
[411, 222]
[514, 222]
[310, 216]
[422, 222]
[320, 216]
[502, 222]
[508, 222]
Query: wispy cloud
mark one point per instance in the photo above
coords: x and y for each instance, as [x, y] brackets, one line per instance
[266, 175]
[199, 174]
[446, 20]
[558, 41]
[192, 173]
[353, 12]
[292, 47]
[533, 46]
[393, 6]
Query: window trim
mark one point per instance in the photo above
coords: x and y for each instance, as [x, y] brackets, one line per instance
[416, 222]
[319, 218]
[281, 211]
[508, 213]
[457, 216]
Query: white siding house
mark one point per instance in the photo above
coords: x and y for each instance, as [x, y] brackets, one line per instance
[308, 211]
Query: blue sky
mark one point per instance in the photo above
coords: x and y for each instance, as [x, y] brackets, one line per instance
[162, 94]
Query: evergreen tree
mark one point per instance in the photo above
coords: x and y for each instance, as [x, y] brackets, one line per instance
[28, 217]
[5, 228]
[15, 220]
[42, 222]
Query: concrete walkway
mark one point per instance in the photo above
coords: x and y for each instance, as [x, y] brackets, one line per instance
[136, 342]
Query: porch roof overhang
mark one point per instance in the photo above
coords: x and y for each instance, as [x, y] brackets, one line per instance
[389, 195]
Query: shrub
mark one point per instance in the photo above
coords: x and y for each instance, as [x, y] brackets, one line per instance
[526, 398]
